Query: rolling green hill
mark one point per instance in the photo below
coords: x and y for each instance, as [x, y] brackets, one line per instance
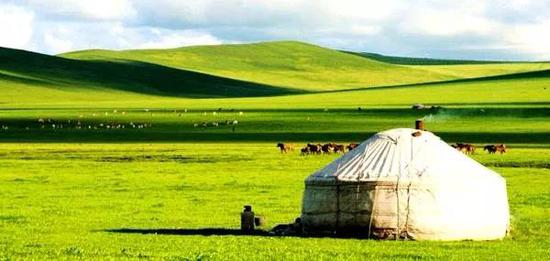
[27, 69]
[286, 64]
[459, 68]
[418, 61]
[93, 77]
[304, 66]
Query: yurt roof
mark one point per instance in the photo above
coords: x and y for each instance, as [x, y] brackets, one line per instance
[398, 154]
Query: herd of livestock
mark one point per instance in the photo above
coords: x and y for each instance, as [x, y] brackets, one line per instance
[467, 148]
[328, 148]
[318, 148]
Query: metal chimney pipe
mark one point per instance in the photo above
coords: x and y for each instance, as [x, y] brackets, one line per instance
[419, 124]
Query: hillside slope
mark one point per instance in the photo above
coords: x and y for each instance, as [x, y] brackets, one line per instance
[417, 60]
[287, 64]
[459, 69]
[23, 68]
[121, 77]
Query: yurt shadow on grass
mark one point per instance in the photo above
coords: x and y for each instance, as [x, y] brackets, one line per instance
[406, 184]
[212, 231]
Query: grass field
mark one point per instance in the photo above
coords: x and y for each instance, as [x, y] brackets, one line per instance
[74, 183]
[60, 200]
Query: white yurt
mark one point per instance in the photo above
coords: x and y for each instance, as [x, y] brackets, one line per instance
[409, 184]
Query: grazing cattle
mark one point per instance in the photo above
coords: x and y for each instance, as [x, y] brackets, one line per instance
[465, 148]
[339, 148]
[314, 148]
[304, 151]
[470, 149]
[352, 146]
[327, 148]
[285, 147]
[492, 149]
[501, 148]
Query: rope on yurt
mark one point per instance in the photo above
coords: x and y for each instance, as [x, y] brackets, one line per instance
[408, 195]
[406, 226]
[373, 208]
[337, 204]
[401, 170]
[397, 199]
[337, 199]
[397, 192]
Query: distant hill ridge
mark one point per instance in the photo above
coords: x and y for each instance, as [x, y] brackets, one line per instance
[287, 64]
[425, 61]
[234, 70]
[41, 70]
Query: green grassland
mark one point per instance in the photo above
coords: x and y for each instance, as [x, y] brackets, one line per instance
[512, 125]
[103, 154]
[73, 200]
[484, 70]
[513, 89]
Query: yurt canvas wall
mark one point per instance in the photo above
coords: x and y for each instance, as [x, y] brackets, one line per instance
[397, 184]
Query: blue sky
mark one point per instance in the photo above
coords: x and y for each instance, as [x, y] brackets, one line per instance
[493, 29]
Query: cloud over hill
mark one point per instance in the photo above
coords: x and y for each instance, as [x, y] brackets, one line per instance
[494, 29]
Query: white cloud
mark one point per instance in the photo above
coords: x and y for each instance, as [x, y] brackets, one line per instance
[362, 10]
[56, 41]
[496, 29]
[178, 39]
[448, 23]
[58, 38]
[16, 26]
[85, 9]
[533, 39]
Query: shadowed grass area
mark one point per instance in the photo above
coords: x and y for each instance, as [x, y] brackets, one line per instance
[539, 139]
[475, 125]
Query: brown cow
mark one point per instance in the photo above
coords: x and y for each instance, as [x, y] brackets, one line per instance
[285, 147]
[314, 148]
[327, 148]
[501, 148]
[339, 148]
[470, 149]
[492, 149]
[465, 148]
[352, 146]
